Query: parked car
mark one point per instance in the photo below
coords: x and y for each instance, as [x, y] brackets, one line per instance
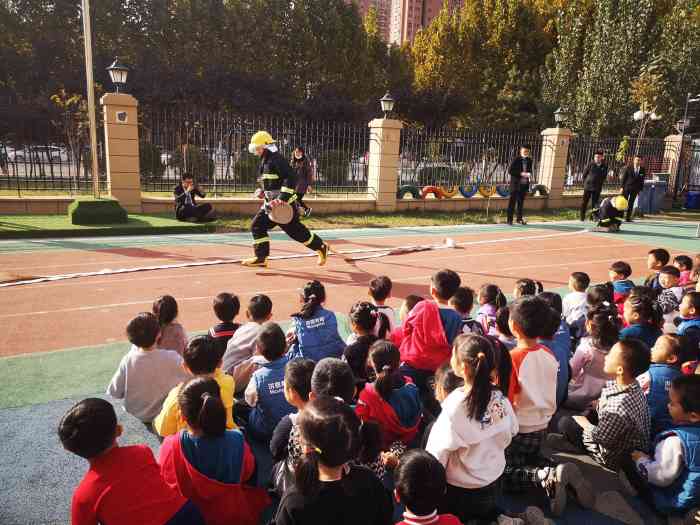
[42, 154]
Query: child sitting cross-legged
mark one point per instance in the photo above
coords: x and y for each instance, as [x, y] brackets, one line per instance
[123, 484]
[557, 338]
[172, 334]
[689, 323]
[671, 294]
[201, 360]
[226, 307]
[409, 302]
[685, 265]
[490, 299]
[619, 275]
[209, 464]
[656, 259]
[503, 333]
[463, 303]
[527, 286]
[670, 478]
[379, 291]
[643, 317]
[575, 306]
[364, 319]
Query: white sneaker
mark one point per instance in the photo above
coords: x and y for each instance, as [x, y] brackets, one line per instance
[554, 485]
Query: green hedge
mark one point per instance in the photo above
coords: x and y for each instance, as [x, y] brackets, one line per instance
[103, 211]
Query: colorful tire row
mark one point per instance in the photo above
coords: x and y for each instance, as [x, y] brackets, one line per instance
[467, 191]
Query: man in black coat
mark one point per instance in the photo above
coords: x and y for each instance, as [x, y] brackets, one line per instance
[186, 207]
[520, 172]
[593, 178]
[633, 183]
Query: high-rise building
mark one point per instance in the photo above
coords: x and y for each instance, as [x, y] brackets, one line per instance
[383, 9]
[409, 16]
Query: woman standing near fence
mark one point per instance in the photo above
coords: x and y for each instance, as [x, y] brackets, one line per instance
[305, 177]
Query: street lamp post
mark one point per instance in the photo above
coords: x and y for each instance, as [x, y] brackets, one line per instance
[87, 39]
[387, 103]
[560, 117]
[118, 73]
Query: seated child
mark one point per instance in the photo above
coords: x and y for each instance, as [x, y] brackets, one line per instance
[146, 373]
[172, 333]
[265, 392]
[226, 307]
[623, 414]
[328, 488]
[444, 383]
[200, 360]
[525, 287]
[689, 326]
[366, 320]
[392, 401]
[532, 392]
[574, 305]
[471, 434]
[643, 318]
[239, 360]
[409, 302]
[363, 320]
[671, 294]
[490, 299]
[421, 483]
[463, 303]
[619, 275]
[669, 478]
[443, 286]
[656, 259]
[503, 333]
[314, 331]
[380, 291]
[209, 464]
[557, 338]
[685, 265]
[588, 377]
[123, 484]
[666, 359]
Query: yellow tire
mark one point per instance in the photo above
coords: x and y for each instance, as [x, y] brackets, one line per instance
[449, 191]
[487, 190]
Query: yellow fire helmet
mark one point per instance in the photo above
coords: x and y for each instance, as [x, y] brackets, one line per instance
[260, 139]
[620, 203]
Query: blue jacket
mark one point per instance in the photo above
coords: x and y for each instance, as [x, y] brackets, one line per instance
[684, 493]
[560, 346]
[644, 332]
[317, 337]
[451, 323]
[660, 378]
[272, 405]
[690, 329]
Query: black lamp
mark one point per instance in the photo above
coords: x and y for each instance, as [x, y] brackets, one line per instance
[118, 72]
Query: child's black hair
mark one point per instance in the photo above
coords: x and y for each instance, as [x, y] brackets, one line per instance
[366, 316]
[502, 318]
[635, 355]
[503, 364]
[643, 290]
[581, 281]
[201, 356]
[259, 307]
[684, 261]
[661, 255]
[385, 359]
[447, 379]
[271, 341]
[412, 300]
[226, 307]
[356, 355]
[445, 283]
[143, 330]
[463, 300]
[600, 294]
[475, 352]
[186, 175]
[553, 323]
[528, 287]
[88, 429]
[648, 309]
[165, 309]
[330, 429]
[670, 270]
[297, 374]
[694, 300]
[420, 482]
[621, 268]
[380, 288]
[333, 377]
[604, 326]
[688, 389]
[200, 404]
[532, 315]
[492, 294]
[313, 295]
[554, 300]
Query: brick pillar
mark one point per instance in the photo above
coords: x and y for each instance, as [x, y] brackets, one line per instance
[555, 149]
[383, 167]
[672, 159]
[122, 149]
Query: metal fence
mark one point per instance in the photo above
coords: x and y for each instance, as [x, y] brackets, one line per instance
[449, 157]
[655, 154]
[213, 147]
[689, 168]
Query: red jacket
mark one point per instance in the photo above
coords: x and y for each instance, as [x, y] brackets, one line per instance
[220, 503]
[424, 344]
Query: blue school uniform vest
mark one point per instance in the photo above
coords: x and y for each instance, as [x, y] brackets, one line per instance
[451, 323]
[690, 329]
[271, 406]
[660, 378]
[684, 493]
[317, 337]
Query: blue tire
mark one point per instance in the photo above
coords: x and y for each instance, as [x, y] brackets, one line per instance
[469, 190]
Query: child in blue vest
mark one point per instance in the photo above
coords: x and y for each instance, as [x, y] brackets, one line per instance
[689, 326]
[670, 479]
[314, 334]
[666, 360]
[557, 338]
[619, 276]
[265, 392]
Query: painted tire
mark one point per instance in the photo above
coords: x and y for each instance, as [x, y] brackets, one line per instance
[539, 189]
[408, 188]
[487, 190]
[468, 191]
[435, 190]
[449, 191]
[503, 190]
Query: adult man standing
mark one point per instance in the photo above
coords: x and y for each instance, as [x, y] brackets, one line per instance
[520, 171]
[633, 183]
[593, 178]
